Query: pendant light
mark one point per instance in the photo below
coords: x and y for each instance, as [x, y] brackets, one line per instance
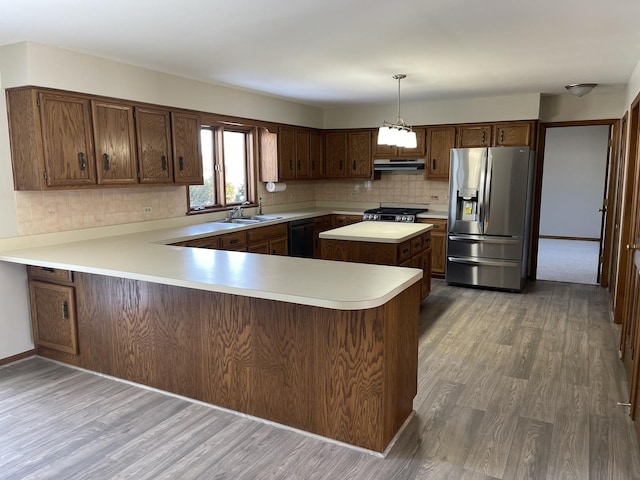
[399, 133]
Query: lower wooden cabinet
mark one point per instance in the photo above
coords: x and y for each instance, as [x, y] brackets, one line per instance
[269, 240]
[53, 309]
[438, 245]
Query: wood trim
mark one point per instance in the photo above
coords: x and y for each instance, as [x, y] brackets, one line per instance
[19, 356]
[608, 196]
[557, 237]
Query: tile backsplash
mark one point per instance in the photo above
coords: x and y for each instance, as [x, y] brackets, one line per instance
[48, 212]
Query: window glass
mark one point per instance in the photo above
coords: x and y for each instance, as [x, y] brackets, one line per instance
[235, 166]
[202, 196]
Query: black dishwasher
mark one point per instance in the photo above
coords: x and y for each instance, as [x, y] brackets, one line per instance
[301, 238]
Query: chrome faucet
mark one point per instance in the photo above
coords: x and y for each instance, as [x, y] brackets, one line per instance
[237, 209]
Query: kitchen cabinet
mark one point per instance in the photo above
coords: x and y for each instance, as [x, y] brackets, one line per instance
[348, 154]
[269, 240]
[235, 241]
[290, 154]
[320, 224]
[388, 151]
[469, 136]
[115, 143]
[187, 152]
[438, 245]
[53, 309]
[153, 127]
[340, 220]
[514, 134]
[440, 141]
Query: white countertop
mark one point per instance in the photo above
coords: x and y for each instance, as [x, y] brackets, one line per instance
[147, 256]
[377, 232]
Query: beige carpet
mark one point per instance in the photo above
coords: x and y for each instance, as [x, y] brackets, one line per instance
[572, 261]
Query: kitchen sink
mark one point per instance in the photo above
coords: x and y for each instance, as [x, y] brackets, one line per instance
[264, 218]
[242, 221]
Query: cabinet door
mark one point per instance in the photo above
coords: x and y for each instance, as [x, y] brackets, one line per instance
[154, 146]
[426, 272]
[414, 152]
[279, 246]
[513, 135]
[286, 153]
[440, 141]
[383, 151]
[359, 156]
[335, 159]
[53, 315]
[260, 247]
[438, 257]
[67, 143]
[115, 143]
[475, 136]
[187, 153]
[302, 154]
[315, 154]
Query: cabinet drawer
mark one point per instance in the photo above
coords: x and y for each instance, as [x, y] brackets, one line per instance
[426, 240]
[233, 241]
[267, 233]
[417, 244]
[439, 224]
[206, 242]
[404, 251]
[50, 274]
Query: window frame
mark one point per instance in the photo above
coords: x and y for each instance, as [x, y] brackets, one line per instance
[251, 138]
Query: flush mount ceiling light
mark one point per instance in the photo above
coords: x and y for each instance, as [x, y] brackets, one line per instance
[580, 89]
[398, 133]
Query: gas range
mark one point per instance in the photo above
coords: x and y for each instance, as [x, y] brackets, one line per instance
[393, 214]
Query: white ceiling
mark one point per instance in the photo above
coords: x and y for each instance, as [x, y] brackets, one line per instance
[332, 52]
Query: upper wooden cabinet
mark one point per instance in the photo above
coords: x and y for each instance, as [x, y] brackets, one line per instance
[387, 151]
[514, 134]
[348, 154]
[187, 152]
[153, 127]
[293, 153]
[505, 134]
[115, 142]
[440, 141]
[64, 140]
[474, 136]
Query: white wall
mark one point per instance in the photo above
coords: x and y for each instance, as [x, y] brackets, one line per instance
[594, 106]
[485, 109]
[633, 86]
[575, 161]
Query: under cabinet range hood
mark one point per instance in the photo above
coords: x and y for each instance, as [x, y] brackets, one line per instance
[398, 164]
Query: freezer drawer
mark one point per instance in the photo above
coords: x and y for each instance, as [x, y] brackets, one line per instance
[508, 248]
[485, 272]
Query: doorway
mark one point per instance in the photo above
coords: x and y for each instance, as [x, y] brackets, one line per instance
[571, 201]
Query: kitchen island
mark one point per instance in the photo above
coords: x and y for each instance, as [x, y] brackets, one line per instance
[326, 347]
[382, 243]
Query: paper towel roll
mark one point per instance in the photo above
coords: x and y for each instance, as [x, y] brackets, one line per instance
[276, 187]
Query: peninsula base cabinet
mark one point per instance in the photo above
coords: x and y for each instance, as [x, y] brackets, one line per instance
[53, 309]
[438, 245]
[349, 375]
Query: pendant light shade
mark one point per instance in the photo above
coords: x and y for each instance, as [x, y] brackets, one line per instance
[399, 133]
[580, 89]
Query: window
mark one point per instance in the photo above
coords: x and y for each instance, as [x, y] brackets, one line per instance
[226, 165]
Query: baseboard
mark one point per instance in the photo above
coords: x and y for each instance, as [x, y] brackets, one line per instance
[583, 239]
[15, 358]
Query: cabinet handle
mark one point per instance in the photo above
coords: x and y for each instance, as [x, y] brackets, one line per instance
[235, 240]
[484, 136]
[406, 250]
[313, 165]
[291, 165]
[83, 161]
[163, 159]
[354, 165]
[65, 310]
[181, 163]
[340, 166]
[107, 164]
[299, 165]
[433, 164]
[501, 136]
[47, 269]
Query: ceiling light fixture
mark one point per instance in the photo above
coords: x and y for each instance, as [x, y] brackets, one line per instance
[398, 133]
[580, 89]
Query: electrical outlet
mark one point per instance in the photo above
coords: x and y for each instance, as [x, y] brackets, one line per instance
[147, 210]
[354, 194]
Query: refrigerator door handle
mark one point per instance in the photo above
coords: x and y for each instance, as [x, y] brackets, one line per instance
[484, 239]
[487, 192]
[483, 262]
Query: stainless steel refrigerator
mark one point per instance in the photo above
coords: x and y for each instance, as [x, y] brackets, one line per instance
[490, 191]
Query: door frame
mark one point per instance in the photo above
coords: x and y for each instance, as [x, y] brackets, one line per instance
[537, 193]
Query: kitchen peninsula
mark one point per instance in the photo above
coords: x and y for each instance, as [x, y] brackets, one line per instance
[326, 347]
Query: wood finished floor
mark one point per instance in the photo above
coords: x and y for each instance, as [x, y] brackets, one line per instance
[511, 386]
